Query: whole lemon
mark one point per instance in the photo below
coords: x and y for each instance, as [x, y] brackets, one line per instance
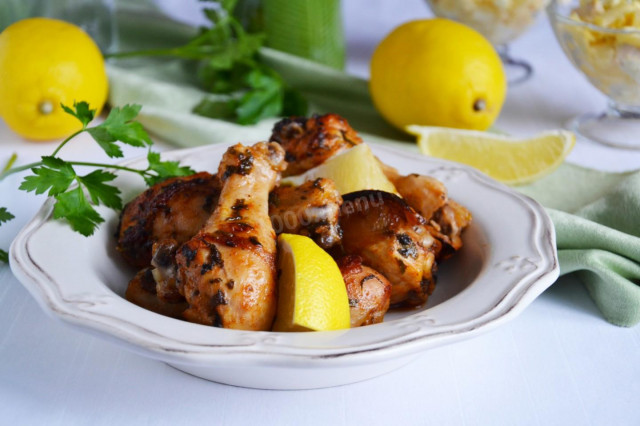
[437, 72]
[43, 63]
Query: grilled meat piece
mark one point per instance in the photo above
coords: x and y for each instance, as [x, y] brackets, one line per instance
[392, 238]
[174, 209]
[311, 209]
[227, 271]
[308, 142]
[164, 270]
[447, 225]
[142, 292]
[368, 290]
[428, 196]
[425, 194]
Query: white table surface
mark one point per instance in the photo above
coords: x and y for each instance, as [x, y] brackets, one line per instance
[557, 363]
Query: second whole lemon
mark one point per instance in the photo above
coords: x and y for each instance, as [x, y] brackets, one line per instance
[437, 72]
[44, 63]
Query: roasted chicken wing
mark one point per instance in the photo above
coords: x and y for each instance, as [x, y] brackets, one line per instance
[176, 209]
[392, 238]
[311, 209]
[449, 222]
[428, 196]
[368, 290]
[425, 194]
[227, 271]
[310, 141]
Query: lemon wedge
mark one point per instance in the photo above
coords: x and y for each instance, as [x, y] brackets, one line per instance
[312, 295]
[353, 170]
[507, 159]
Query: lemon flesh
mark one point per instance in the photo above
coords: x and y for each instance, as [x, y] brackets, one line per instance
[312, 295]
[437, 72]
[353, 170]
[507, 159]
[43, 63]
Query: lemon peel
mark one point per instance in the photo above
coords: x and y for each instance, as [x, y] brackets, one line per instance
[353, 170]
[311, 291]
[505, 158]
[45, 63]
[437, 72]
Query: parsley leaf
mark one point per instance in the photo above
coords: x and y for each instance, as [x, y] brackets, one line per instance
[226, 81]
[164, 169]
[81, 111]
[218, 108]
[294, 103]
[106, 141]
[230, 64]
[119, 126]
[55, 176]
[269, 97]
[228, 5]
[5, 215]
[265, 100]
[99, 191]
[74, 207]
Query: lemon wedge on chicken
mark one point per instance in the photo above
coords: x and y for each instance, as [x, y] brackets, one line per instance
[352, 170]
[312, 295]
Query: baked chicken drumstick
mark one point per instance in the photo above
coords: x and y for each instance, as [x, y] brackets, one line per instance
[227, 271]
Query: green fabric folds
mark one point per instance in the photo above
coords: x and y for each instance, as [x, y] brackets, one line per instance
[597, 221]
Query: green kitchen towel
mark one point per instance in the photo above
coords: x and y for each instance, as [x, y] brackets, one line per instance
[597, 221]
[595, 213]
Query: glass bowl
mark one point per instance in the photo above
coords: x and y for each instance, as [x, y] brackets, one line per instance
[500, 21]
[610, 59]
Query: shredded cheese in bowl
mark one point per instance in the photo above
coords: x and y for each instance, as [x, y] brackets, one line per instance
[500, 21]
[602, 39]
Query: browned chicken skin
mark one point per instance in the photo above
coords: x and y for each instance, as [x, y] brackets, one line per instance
[449, 222]
[392, 238]
[164, 270]
[142, 292]
[227, 271]
[311, 209]
[368, 290]
[425, 194]
[176, 209]
[428, 196]
[310, 141]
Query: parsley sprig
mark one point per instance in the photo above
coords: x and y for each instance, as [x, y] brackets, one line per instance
[230, 66]
[5, 216]
[77, 194]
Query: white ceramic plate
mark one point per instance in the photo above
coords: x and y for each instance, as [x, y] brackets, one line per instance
[507, 260]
